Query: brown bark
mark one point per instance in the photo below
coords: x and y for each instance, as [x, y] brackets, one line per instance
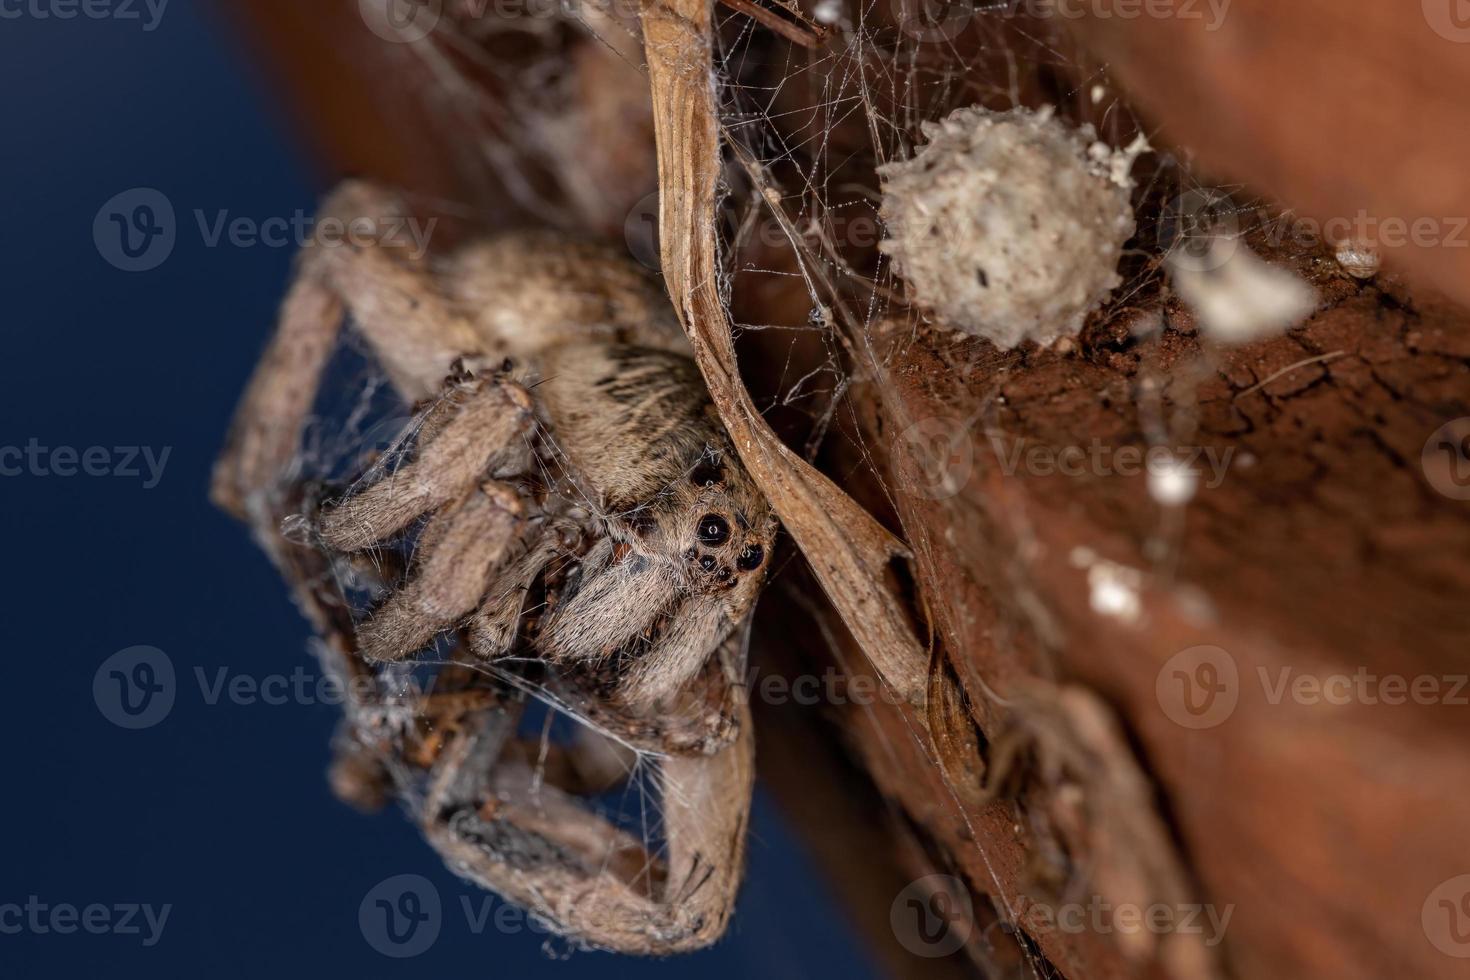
[1325, 826]
[1323, 550]
[1333, 107]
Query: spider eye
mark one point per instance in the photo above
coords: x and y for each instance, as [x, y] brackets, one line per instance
[750, 559]
[713, 529]
[707, 563]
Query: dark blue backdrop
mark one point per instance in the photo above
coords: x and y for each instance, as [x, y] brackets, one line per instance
[218, 811]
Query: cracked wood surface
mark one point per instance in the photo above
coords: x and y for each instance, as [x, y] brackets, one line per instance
[1323, 552]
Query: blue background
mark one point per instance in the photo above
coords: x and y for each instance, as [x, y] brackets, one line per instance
[220, 810]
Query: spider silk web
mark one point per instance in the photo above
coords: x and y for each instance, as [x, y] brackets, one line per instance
[522, 99]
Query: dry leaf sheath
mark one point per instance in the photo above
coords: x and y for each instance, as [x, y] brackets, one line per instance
[849, 551]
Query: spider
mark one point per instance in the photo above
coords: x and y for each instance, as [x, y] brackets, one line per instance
[579, 527]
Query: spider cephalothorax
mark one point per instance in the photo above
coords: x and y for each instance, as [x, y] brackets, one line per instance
[686, 532]
[578, 525]
[619, 456]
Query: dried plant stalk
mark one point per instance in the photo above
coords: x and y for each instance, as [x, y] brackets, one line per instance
[849, 551]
